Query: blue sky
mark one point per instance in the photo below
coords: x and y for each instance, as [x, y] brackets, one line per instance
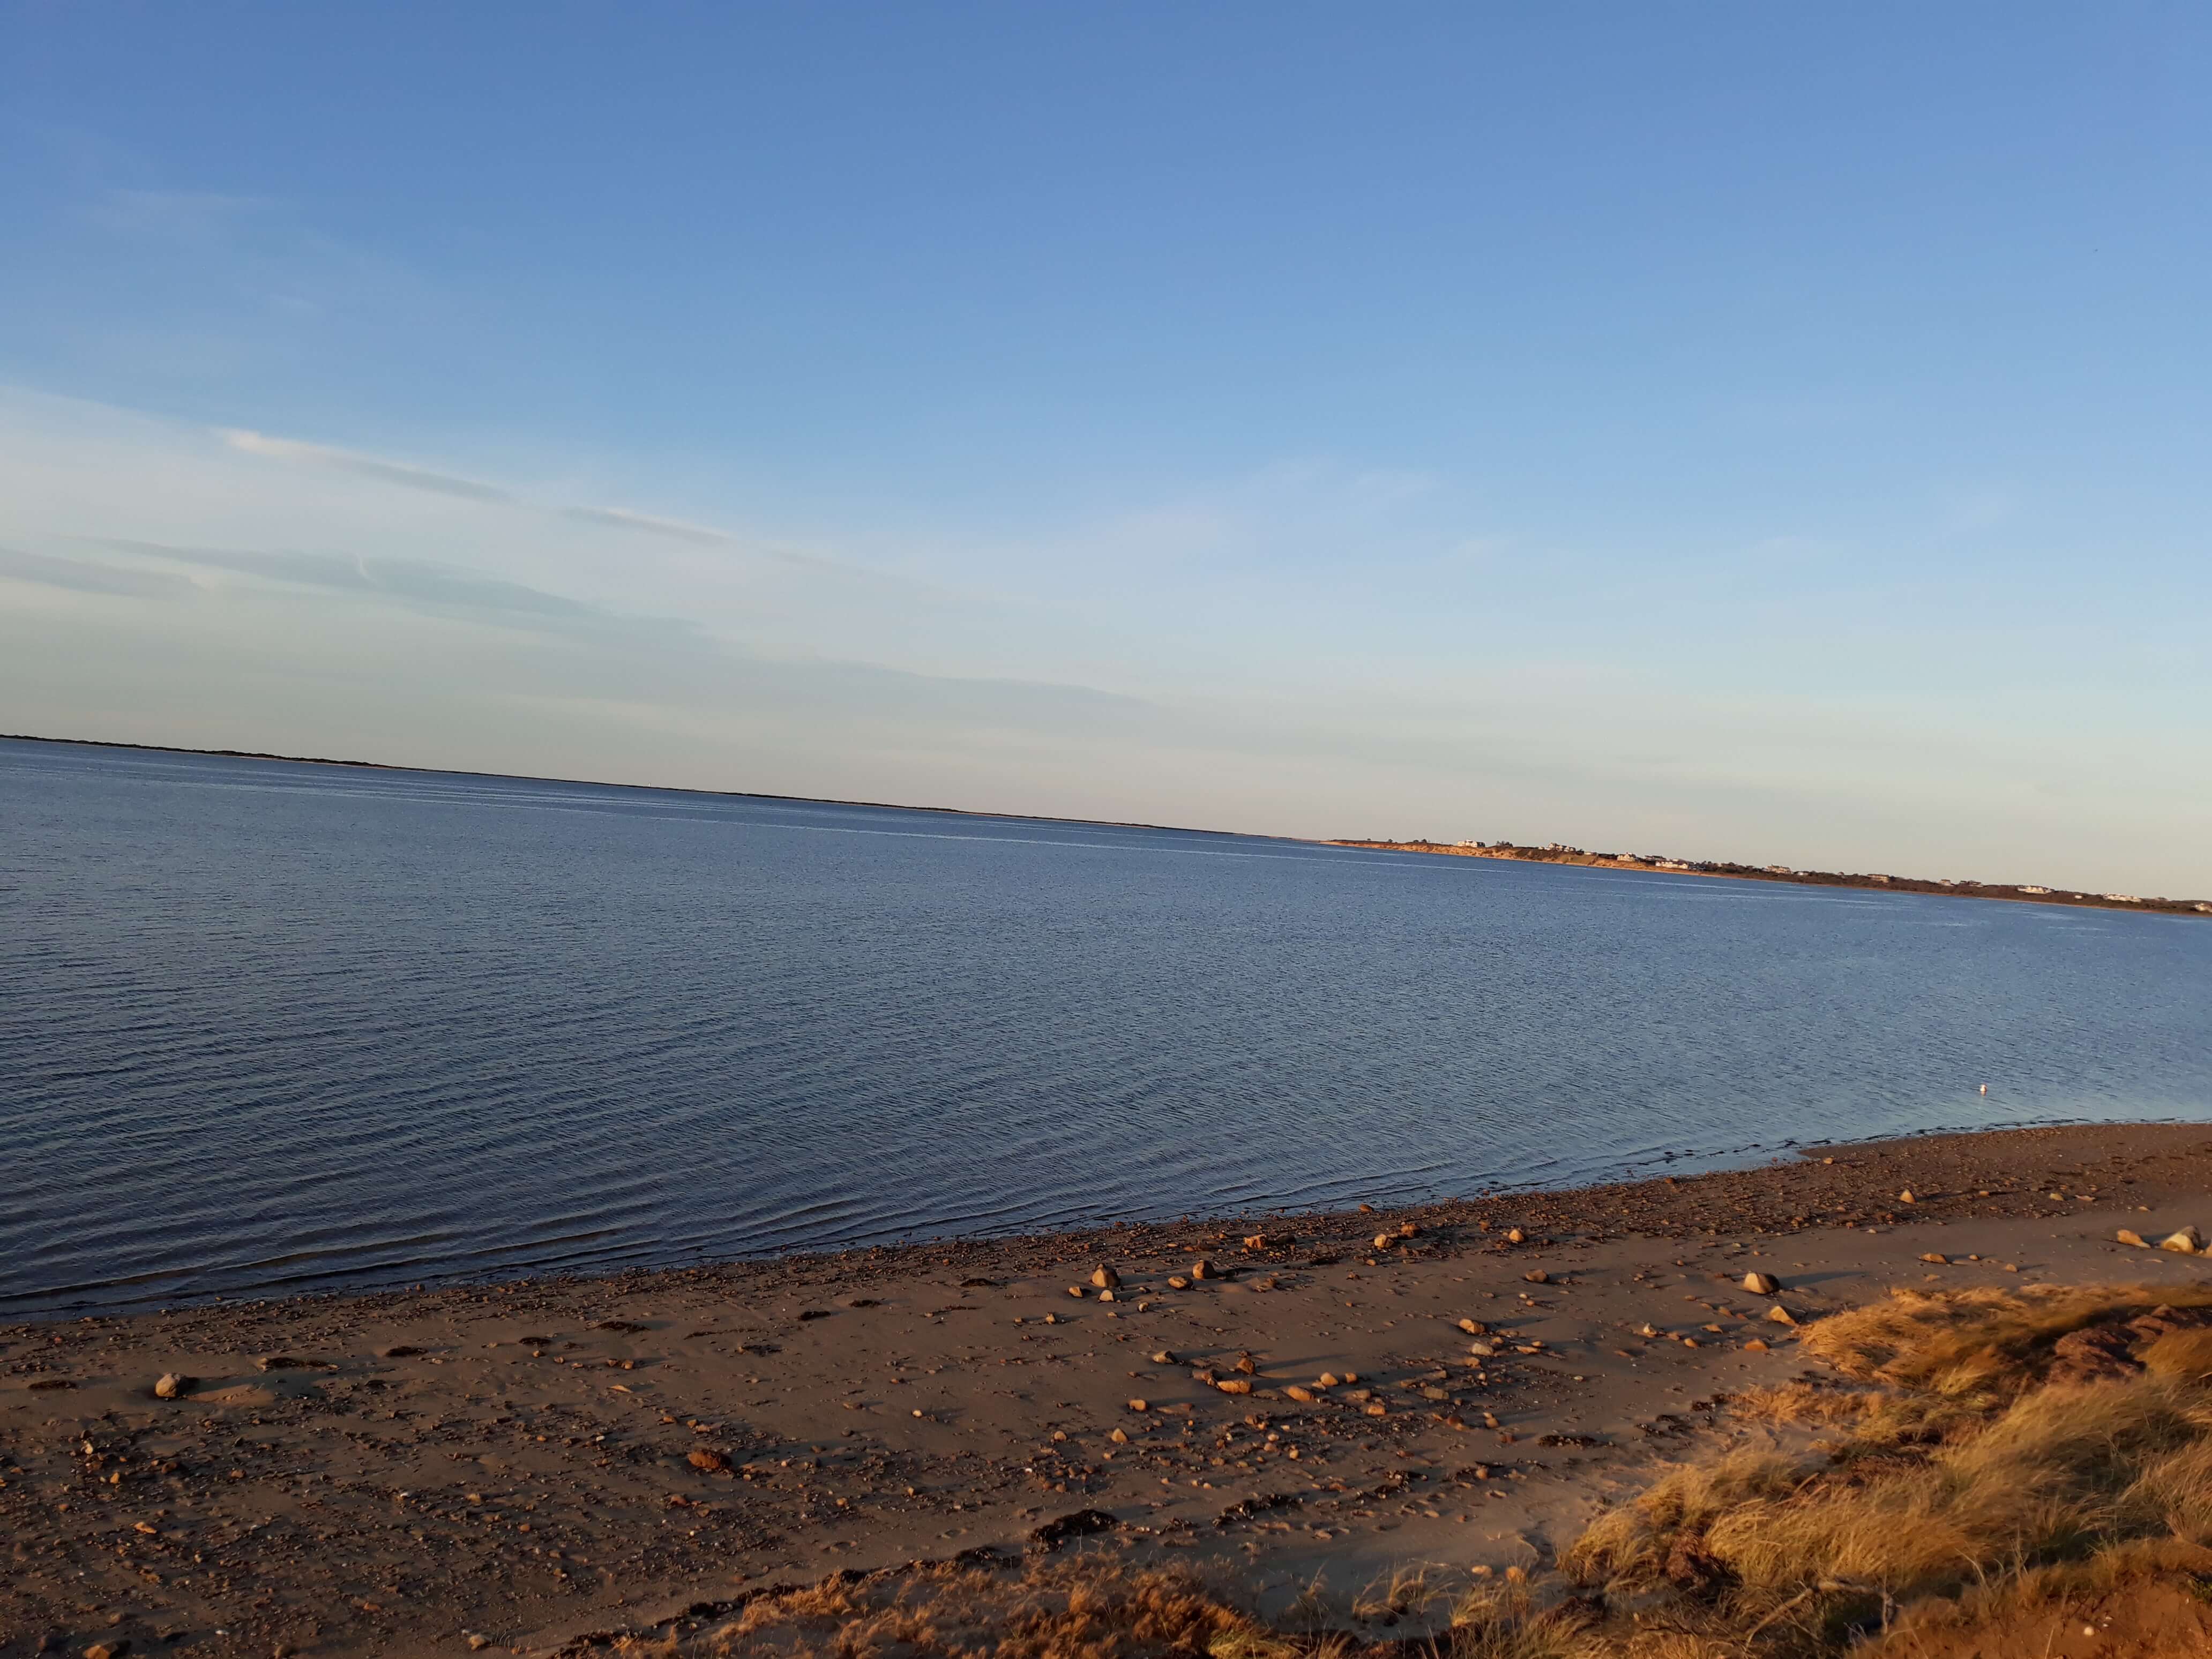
[1776, 433]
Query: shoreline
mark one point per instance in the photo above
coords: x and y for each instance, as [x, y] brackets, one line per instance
[1657, 1168]
[2007, 891]
[542, 1459]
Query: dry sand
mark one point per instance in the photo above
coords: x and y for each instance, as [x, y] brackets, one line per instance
[539, 1463]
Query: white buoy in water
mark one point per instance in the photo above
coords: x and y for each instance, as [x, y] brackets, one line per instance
[1985, 1088]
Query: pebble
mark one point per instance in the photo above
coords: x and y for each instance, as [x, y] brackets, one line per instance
[2128, 1235]
[1177, 1282]
[1537, 1276]
[1516, 1237]
[1302, 1394]
[705, 1457]
[1234, 1385]
[1106, 1280]
[1760, 1284]
[1383, 1241]
[172, 1385]
[1906, 1197]
[2188, 1240]
[1139, 1406]
[1936, 1258]
[1203, 1268]
[1474, 1328]
[1164, 1357]
[1780, 1315]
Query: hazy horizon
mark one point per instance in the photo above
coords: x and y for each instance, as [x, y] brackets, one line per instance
[1767, 437]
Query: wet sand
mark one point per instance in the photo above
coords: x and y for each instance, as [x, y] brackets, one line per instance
[534, 1464]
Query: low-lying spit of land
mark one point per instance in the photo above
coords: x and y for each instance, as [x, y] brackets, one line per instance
[1853, 1401]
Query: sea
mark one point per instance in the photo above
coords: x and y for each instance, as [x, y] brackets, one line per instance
[268, 1027]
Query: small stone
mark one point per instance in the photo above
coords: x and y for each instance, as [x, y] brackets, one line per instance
[1106, 1279]
[1377, 1408]
[1119, 1437]
[1689, 1342]
[1757, 1345]
[111, 1650]
[1515, 1235]
[479, 1643]
[1164, 1357]
[1647, 1329]
[1177, 1282]
[1383, 1241]
[1330, 1380]
[2128, 1235]
[1935, 1259]
[1409, 1230]
[1302, 1394]
[171, 1385]
[1780, 1315]
[1105, 1296]
[1075, 1291]
[1234, 1385]
[1537, 1276]
[1906, 1197]
[1482, 1350]
[1203, 1268]
[2188, 1242]
[1474, 1328]
[1760, 1284]
[707, 1458]
[1256, 1242]
[1139, 1406]
[1247, 1364]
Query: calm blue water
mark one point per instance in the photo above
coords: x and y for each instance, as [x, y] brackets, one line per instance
[266, 1027]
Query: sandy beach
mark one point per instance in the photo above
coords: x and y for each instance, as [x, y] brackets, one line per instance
[532, 1466]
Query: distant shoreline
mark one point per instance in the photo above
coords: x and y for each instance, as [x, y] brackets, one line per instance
[1653, 865]
[656, 789]
[1503, 850]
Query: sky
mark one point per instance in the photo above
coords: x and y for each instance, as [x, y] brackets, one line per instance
[1774, 432]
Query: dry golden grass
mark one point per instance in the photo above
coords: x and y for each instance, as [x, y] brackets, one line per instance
[1964, 1504]
[1079, 1609]
[1965, 1488]
[1960, 1342]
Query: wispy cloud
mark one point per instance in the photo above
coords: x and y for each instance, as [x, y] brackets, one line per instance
[89, 576]
[297, 453]
[674, 529]
[417, 584]
[187, 218]
[366, 466]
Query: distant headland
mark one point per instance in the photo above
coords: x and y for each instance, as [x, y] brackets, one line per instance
[1556, 853]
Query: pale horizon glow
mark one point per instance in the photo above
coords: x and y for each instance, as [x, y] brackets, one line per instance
[1724, 434]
